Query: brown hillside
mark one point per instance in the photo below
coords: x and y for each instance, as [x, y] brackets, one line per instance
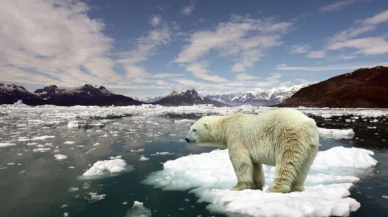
[363, 88]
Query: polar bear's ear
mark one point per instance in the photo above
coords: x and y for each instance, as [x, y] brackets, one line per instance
[207, 125]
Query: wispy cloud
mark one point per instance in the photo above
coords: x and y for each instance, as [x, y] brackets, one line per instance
[336, 6]
[64, 45]
[245, 77]
[155, 20]
[300, 48]
[339, 67]
[145, 47]
[316, 54]
[366, 46]
[243, 38]
[200, 70]
[188, 9]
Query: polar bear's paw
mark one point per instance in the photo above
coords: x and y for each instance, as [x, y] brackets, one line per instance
[279, 189]
[244, 185]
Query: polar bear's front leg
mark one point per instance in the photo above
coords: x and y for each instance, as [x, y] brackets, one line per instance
[243, 168]
[258, 176]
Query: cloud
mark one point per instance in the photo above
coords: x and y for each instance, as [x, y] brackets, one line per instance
[200, 70]
[188, 9]
[300, 48]
[243, 38]
[145, 46]
[245, 76]
[366, 46]
[64, 45]
[340, 67]
[336, 6]
[155, 20]
[316, 54]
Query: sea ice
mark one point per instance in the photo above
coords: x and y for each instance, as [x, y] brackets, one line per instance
[95, 197]
[336, 134]
[72, 124]
[60, 157]
[139, 150]
[138, 210]
[6, 144]
[162, 153]
[210, 176]
[104, 168]
[40, 149]
[142, 158]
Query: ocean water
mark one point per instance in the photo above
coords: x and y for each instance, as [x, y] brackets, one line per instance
[34, 183]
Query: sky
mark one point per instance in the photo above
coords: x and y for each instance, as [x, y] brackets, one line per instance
[147, 48]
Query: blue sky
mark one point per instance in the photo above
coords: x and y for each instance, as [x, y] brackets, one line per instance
[150, 47]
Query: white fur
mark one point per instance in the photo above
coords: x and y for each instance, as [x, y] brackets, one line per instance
[285, 137]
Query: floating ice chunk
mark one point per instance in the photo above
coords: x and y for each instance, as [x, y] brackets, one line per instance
[162, 153]
[117, 157]
[6, 144]
[65, 214]
[40, 149]
[23, 139]
[60, 157]
[71, 167]
[336, 134]
[142, 158]
[73, 124]
[138, 210]
[96, 144]
[64, 206]
[104, 168]
[73, 189]
[11, 163]
[184, 121]
[139, 150]
[211, 175]
[68, 142]
[95, 197]
[125, 203]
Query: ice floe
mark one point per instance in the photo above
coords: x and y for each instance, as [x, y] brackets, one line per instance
[60, 157]
[138, 210]
[336, 134]
[6, 144]
[106, 168]
[211, 175]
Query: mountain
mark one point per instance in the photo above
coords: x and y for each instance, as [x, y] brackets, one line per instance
[258, 98]
[363, 88]
[11, 93]
[190, 97]
[84, 95]
[52, 95]
[150, 99]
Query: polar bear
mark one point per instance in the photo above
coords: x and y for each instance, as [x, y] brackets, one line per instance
[285, 138]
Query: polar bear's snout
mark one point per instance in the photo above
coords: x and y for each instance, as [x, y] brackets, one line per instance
[190, 141]
[190, 138]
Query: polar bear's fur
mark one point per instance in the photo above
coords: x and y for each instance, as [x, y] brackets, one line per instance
[285, 138]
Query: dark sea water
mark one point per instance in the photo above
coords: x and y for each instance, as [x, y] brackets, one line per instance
[34, 184]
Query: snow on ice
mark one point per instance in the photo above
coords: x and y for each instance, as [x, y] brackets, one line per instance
[211, 175]
[106, 168]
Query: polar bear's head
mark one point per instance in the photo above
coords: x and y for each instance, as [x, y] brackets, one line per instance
[203, 131]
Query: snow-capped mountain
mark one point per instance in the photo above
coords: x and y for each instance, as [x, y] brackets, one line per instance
[84, 95]
[258, 98]
[52, 95]
[11, 93]
[189, 97]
